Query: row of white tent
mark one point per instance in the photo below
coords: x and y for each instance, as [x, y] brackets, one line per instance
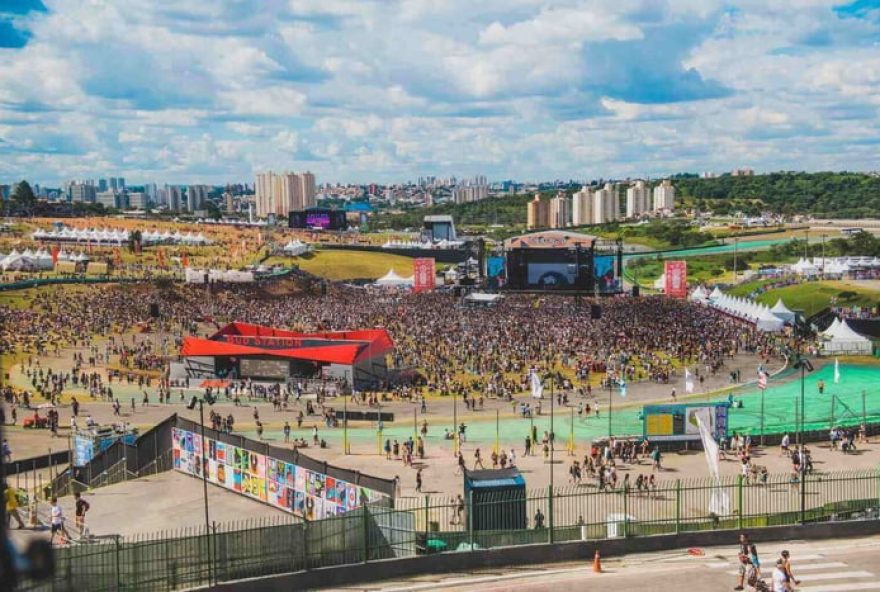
[231, 276]
[295, 248]
[441, 244]
[36, 260]
[834, 265]
[764, 317]
[118, 236]
[839, 338]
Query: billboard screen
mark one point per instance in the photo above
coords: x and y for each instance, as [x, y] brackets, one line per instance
[678, 422]
[318, 218]
[604, 274]
[264, 368]
[676, 279]
[424, 274]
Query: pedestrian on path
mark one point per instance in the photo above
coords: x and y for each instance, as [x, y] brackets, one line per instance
[743, 558]
[786, 562]
[57, 520]
[81, 507]
[10, 497]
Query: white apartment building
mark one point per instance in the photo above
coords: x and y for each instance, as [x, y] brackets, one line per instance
[638, 200]
[582, 207]
[664, 196]
[560, 212]
[283, 193]
[606, 204]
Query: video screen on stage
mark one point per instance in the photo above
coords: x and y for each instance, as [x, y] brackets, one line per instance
[264, 368]
[552, 275]
[604, 274]
[318, 218]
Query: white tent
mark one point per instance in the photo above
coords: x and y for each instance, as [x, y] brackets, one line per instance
[716, 294]
[392, 280]
[295, 248]
[699, 295]
[660, 282]
[767, 321]
[841, 339]
[780, 310]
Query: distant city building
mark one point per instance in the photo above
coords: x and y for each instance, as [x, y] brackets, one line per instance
[80, 192]
[284, 193]
[470, 190]
[138, 201]
[606, 204]
[538, 213]
[664, 196]
[102, 185]
[108, 199]
[172, 198]
[582, 207]
[637, 200]
[742, 172]
[196, 196]
[560, 211]
[709, 175]
[229, 200]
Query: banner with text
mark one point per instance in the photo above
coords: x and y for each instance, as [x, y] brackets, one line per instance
[424, 274]
[676, 279]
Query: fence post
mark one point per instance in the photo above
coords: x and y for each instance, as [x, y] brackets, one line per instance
[550, 513]
[118, 573]
[213, 550]
[470, 518]
[305, 542]
[366, 534]
[427, 501]
[739, 501]
[678, 506]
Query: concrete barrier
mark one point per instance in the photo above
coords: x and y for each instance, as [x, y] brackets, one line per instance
[455, 562]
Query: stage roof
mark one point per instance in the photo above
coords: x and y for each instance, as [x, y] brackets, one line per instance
[335, 347]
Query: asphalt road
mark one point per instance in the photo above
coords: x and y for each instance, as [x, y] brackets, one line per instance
[821, 566]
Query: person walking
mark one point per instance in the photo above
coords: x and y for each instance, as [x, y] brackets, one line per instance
[743, 558]
[81, 506]
[57, 520]
[780, 578]
[786, 566]
[478, 459]
[10, 498]
[419, 481]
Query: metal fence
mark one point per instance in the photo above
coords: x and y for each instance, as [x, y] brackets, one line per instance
[415, 526]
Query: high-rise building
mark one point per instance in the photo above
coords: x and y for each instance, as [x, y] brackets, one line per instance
[173, 197]
[560, 211]
[138, 201]
[538, 213]
[83, 193]
[606, 204]
[102, 185]
[283, 193]
[109, 199]
[196, 196]
[582, 207]
[637, 200]
[471, 190]
[664, 196]
[120, 183]
[229, 200]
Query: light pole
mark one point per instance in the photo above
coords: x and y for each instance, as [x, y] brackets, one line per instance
[735, 246]
[454, 424]
[805, 366]
[204, 467]
[823, 255]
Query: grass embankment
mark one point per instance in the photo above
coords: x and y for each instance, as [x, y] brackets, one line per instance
[348, 265]
[811, 297]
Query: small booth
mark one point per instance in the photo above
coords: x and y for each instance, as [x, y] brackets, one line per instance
[498, 499]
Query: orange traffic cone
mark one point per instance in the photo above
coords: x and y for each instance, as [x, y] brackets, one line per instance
[597, 562]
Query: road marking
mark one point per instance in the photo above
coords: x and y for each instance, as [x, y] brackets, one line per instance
[841, 587]
[808, 567]
[839, 575]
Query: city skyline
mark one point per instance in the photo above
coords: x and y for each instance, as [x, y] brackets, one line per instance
[361, 92]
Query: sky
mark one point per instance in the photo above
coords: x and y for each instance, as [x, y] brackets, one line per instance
[387, 91]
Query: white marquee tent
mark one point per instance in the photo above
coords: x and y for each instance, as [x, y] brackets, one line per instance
[841, 339]
[392, 280]
[780, 310]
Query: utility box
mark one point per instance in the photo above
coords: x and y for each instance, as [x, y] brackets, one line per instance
[498, 499]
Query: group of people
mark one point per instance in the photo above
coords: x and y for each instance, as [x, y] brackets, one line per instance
[782, 576]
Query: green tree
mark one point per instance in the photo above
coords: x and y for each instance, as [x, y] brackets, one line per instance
[23, 196]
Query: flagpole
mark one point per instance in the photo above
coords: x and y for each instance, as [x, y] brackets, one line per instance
[762, 416]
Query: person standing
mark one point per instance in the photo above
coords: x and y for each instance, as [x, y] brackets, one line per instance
[478, 459]
[81, 507]
[286, 432]
[57, 520]
[743, 558]
[780, 578]
[10, 497]
[786, 566]
[419, 481]
[6, 451]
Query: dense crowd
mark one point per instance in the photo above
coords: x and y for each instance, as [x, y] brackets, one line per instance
[447, 346]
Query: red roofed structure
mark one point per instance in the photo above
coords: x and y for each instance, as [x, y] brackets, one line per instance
[242, 350]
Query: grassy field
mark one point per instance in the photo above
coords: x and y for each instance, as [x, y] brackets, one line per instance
[811, 297]
[348, 265]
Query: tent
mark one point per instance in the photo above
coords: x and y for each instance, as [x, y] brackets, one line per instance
[295, 248]
[392, 280]
[780, 310]
[698, 295]
[841, 339]
[660, 283]
[767, 321]
[716, 294]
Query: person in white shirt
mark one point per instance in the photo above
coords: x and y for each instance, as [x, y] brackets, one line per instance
[57, 519]
[780, 578]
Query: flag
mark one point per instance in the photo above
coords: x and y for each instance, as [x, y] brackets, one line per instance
[836, 371]
[719, 501]
[185, 260]
[688, 381]
[537, 387]
[55, 252]
[762, 380]
[622, 385]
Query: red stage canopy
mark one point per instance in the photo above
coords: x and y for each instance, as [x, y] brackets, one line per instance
[334, 347]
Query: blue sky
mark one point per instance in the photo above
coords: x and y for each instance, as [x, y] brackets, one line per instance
[385, 90]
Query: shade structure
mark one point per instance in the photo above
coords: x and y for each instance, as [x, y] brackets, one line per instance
[841, 339]
[780, 310]
[392, 280]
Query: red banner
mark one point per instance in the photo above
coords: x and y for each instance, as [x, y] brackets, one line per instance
[676, 279]
[423, 274]
[55, 252]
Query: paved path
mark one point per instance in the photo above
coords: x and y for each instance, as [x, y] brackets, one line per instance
[821, 566]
